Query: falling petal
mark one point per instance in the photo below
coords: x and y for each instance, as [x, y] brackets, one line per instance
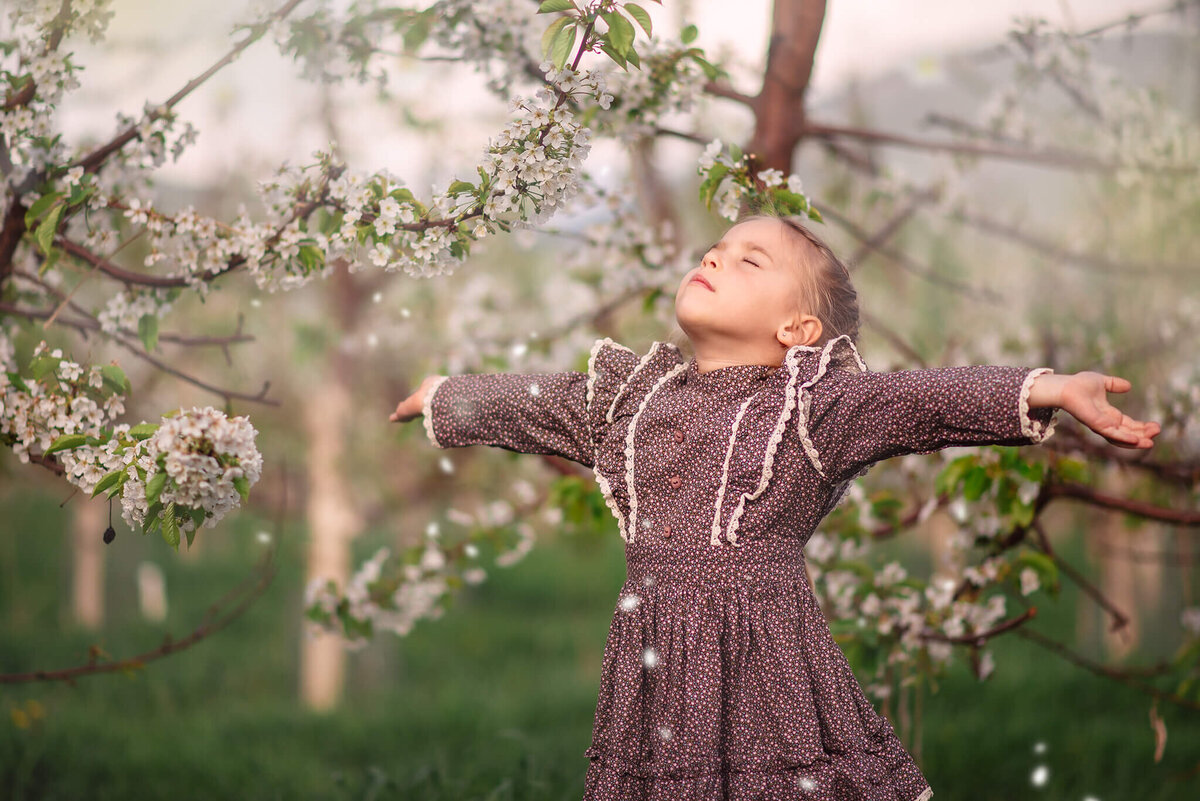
[1039, 776]
[650, 657]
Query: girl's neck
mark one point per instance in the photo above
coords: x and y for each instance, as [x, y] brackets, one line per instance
[715, 356]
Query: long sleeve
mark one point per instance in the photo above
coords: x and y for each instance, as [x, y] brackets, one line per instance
[859, 418]
[522, 412]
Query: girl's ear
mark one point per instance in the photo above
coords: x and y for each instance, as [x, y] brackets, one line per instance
[804, 329]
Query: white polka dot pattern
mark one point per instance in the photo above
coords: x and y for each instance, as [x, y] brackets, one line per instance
[721, 680]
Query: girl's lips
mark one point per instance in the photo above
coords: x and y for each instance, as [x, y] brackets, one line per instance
[701, 280]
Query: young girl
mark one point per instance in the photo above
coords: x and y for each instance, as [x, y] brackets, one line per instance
[721, 679]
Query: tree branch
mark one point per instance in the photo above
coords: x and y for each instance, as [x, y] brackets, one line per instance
[93, 161]
[1147, 511]
[215, 619]
[1062, 159]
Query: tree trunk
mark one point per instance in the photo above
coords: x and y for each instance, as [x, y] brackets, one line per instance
[332, 523]
[779, 114]
[87, 552]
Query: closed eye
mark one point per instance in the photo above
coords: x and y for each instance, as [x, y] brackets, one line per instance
[750, 262]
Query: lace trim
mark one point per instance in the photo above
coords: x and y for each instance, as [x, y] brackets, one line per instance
[806, 397]
[624, 385]
[605, 488]
[1034, 429]
[925, 795]
[632, 525]
[716, 526]
[427, 410]
[791, 360]
[611, 502]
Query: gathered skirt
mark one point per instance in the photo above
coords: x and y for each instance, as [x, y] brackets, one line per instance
[722, 682]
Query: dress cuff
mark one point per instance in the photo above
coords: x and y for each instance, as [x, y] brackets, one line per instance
[1036, 424]
[427, 410]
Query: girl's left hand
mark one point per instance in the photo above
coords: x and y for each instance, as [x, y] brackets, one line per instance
[1085, 397]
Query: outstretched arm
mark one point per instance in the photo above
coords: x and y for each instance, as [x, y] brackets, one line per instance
[856, 419]
[1085, 397]
[521, 412]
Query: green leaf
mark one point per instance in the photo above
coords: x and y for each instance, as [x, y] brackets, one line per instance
[242, 485]
[154, 486]
[107, 481]
[642, 17]
[612, 53]
[65, 442]
[115, 378]
[170, 526]
[152, 517]
[461, 187]
[551, 33]
[47, 229]
[552, 6]
[418, 30]
[633, 57]
[564, 42]
[17, 381]
[43, 366]
[710, 71]
[620, 31]
[40, 206]
[148, 331]
[143, 430]
[975, 483]
[688, 34]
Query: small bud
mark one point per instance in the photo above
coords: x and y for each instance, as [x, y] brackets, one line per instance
[109, 535]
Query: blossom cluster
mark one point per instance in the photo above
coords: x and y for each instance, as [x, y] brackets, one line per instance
[387, 594]
[64, 398]
[495, 37]
[29, 63]
[373, 602]
[668, 82]
[730, 179]
[199, 463]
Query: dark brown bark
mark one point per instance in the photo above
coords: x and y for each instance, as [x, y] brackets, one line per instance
[779, 113]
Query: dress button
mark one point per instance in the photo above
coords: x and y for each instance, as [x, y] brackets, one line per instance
[675, 481]
[667, 530]
[679, 435]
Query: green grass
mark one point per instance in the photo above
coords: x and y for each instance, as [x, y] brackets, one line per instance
[493, 701]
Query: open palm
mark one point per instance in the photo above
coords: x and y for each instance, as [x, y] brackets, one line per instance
[1085, 397]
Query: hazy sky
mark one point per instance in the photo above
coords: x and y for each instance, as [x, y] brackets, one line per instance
[257, 112]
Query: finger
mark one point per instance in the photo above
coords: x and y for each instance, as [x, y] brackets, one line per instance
[1114, 383]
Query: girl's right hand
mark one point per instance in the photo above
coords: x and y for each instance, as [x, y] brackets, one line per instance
[413, 406]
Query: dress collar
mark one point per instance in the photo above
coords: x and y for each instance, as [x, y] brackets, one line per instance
[730, 374]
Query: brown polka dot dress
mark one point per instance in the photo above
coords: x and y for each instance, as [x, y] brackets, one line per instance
[721, 679]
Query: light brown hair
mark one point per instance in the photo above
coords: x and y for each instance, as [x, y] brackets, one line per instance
[828, 291]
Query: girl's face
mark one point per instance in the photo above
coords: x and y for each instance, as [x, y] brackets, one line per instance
[753, 286]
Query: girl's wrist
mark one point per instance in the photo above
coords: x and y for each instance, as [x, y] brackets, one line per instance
[1046, 390]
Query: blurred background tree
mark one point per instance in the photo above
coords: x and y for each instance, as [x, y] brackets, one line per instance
[1030, 202]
